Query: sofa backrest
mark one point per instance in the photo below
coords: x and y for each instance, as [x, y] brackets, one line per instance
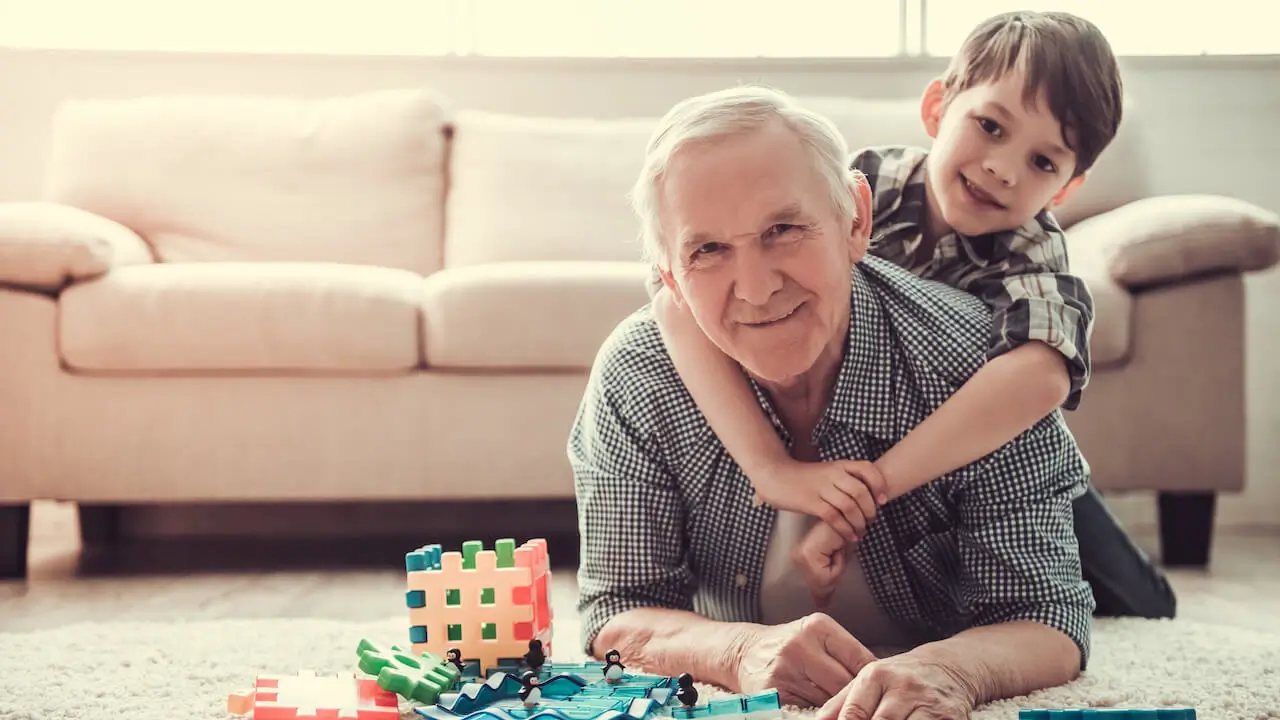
[533, 188]
[356, 179]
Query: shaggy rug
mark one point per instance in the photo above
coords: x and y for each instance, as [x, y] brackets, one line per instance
[184, 671]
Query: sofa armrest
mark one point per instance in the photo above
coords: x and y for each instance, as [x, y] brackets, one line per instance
[46, 246]
[1165, 239]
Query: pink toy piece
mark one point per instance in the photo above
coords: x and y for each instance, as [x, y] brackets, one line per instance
[308, 696]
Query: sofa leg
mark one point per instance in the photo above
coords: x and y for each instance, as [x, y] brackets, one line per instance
[15, 533]
[99, 524]
[1186, 528]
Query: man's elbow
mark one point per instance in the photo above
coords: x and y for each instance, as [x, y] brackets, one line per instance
[623, 634]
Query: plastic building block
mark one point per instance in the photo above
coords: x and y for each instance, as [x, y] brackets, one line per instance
[422, 678]
[1181, 713]
[487, 603]
[755, 706]
[308, 696]
[504, 686]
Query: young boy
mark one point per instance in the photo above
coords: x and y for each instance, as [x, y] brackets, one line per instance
[1023, 111]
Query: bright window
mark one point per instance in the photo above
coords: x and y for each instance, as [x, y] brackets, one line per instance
[610, 28]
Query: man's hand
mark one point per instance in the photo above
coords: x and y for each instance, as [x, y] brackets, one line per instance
[821, 557]
[902, 686]
[806, 660]
[843, 493]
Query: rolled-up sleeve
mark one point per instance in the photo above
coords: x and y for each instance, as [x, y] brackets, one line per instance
[1033, 296]
[1019, 556]
[631, 517]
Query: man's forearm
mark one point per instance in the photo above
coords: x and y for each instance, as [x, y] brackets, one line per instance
[1005, 397]
[670, 642]
[1007, 660]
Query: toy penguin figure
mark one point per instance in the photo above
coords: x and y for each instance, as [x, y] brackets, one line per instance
[613, 666]
[687, 694]
[535, 658]
[530, 694]
[455, 656]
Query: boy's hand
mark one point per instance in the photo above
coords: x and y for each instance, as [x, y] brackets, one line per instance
[821, 559]
[843, 493]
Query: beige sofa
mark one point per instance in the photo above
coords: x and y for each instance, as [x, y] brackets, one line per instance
[380, 297]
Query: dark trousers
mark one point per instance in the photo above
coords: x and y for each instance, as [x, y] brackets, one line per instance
[1124, 580]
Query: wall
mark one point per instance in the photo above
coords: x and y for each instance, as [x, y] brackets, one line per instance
[1210, 129]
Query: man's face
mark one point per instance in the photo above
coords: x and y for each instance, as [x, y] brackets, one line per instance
[995, 162]
[758, 251]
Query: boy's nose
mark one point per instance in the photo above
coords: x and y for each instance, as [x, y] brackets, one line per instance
[1000, 169]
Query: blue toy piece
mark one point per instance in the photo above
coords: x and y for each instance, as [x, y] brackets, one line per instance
[1184, 713]
[573, 709]
[756, 706]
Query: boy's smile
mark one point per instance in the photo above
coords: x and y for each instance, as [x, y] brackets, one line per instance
[997, 159]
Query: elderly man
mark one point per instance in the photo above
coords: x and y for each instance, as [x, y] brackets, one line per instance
[975, 578]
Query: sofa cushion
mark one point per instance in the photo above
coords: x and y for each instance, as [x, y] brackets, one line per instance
[355, 179]
[243, 317]
[536, 315]
[533, 188]
[46, 245]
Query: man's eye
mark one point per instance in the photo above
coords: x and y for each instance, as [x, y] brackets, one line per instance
[781, 229]
[706, 249]
[989, 126]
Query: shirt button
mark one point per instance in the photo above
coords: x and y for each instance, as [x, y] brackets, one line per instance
[740, 580]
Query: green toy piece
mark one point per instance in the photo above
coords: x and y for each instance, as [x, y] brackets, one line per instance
[420, 678]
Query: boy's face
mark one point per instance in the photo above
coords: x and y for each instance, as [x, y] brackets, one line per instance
[995, 162]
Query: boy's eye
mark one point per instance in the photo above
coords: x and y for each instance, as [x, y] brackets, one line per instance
[989, 126]
[1045, 164]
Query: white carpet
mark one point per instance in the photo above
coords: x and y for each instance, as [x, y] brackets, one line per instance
[156, 671]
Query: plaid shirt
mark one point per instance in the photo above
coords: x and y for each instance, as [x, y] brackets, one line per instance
[1021, 273]
[666, 516]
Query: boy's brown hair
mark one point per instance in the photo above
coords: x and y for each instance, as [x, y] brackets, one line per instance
[1065, 57]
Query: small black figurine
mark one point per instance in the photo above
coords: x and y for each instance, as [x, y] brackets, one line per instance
[530, 694]
[687, 694]
[454, 655]
[535, 658]
[613, 666]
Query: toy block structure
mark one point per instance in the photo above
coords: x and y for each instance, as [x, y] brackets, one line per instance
[422, 678]
[308, 696]
[1109, 713]
[487, 603]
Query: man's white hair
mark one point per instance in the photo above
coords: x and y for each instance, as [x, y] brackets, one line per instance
[724, 113]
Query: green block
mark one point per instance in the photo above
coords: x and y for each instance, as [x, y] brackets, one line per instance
[489, 631]
[486, 596]
[453, 598]
[420, 678]
[469, 550]
[506, 550]
[455, 633]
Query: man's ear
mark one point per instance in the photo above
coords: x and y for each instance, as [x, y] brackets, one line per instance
[860, 229]
[669, 281]
[1067, 190]
[931, 107]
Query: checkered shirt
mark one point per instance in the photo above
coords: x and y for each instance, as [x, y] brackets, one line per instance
[667, 518]
[1022, 274]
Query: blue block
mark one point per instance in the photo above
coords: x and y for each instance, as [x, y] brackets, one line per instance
[426, 557]
[415, 599]
[761, 701]
[1107, 714]
[418, 634]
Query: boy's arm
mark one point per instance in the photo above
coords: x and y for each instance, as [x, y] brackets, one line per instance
[1038, 359]
[720, 391]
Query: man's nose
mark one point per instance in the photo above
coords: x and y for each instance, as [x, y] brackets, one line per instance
[755, 278]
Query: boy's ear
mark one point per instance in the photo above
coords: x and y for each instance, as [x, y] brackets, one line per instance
[931, 107]
[1067, 190]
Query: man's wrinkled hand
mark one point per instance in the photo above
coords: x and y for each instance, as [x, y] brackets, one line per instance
[807, 660]
[899, 687]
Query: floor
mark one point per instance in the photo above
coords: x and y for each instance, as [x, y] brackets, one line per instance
[170, 580]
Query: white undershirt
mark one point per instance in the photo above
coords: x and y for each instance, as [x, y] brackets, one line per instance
[785, 597]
